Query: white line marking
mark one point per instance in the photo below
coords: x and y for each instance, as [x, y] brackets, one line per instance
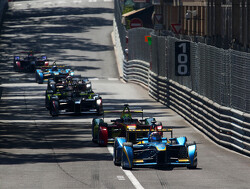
[92, 79]
[129, 174]
[120, 177]
[21, 97]
[92, 1]
[77, 1]
[113, 79]
[21, 84]
[48, 120]
[108, 0]
[47, 3]
[132, 178]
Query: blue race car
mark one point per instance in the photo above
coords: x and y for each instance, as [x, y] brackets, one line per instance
[154, 150]
[45, 73]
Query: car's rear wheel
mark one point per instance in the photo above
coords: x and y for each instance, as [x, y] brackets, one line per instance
[38, 79]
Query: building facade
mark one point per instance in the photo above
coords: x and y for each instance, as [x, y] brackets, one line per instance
[225, 22]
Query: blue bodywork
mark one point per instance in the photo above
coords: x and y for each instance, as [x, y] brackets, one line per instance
[43, 75]
[173, 151]
[16, 57]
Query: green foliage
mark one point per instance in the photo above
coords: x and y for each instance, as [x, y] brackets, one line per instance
[127, 9]
[128, 24]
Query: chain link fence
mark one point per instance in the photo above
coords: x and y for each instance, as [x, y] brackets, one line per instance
[222, 76]
[136, 38]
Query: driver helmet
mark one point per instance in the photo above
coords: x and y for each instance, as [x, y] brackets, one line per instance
[155, 137]
[69, 78]
[54, 68]
[126, 118]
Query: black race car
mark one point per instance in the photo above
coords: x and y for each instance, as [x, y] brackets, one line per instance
[74, 98]
[61, 84]
[30, 62]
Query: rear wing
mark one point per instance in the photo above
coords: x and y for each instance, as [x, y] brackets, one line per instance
[120, 112]
[136, 135]
[132, 130]
[126, 110]
[50, 66]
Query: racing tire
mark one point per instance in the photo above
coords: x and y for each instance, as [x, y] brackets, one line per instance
[93, 125]
[99, 111]
[130, 145]
[116, 162]
[194, 164]
[54, 108]
[38, 79]
[15, 67]
[47, 101]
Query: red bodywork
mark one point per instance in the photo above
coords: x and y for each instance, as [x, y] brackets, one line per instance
[103, 136]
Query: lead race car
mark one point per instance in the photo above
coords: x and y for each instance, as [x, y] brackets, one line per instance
[104, 133]
[154, 150]
[30, 62]
[46, 72]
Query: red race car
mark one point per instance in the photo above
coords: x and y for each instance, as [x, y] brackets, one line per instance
[30, 62]
[104, 133]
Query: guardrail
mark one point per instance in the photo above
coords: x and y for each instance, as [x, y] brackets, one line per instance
[136, 70]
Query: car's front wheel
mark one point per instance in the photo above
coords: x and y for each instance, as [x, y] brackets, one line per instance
[54, 109]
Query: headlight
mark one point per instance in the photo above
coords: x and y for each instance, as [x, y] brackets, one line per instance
[88, 86]
[99, 102]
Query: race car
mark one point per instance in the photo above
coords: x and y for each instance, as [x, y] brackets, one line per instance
[78, 100]
[104, 133]
[30, 62]
[47, 72]
[61, 84]
[154, 150]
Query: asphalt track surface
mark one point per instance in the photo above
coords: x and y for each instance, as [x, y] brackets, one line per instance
[38, 151]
